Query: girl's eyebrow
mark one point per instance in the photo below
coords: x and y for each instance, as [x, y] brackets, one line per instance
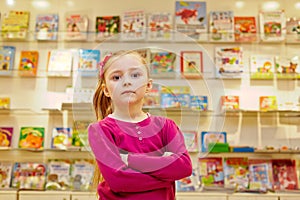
[120, 71]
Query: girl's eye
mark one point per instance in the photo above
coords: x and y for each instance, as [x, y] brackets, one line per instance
[135, 75]
[115, 77]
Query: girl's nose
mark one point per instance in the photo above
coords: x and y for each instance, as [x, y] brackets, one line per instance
[127, 80]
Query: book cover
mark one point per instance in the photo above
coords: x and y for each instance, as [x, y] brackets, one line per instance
[293, 30]
[160, 25]
[58, 174]
[272, 25]
[107, 27]
[152, 97]
[284, 174]
[262, 66]
[221, 26]
[61, 138]
[214, 137]
[162, 64]
[190, 183]
[29, 175]
[191, 19]
[191, 64]
[76, 27]
[7, 58]
[199, 102]
[60, 62]
[15, 24]
[191, 140]
[211, 172]
[229, 62]
[46, 27]
[6, 134]
[4, 103]
[175, 97]
[80, 133]
[268, 103]
[88, 62]
[32, 138]
[133, 26]
[236, 172]
[287, 67]
[82, 172]
[28, 63]
[230, 102]
[245, 29]
[5, 174]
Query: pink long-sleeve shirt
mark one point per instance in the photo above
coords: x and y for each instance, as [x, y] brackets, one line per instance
[148, 175]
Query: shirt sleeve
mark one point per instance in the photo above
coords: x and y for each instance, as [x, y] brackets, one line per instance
[169, 168]
[119, 177]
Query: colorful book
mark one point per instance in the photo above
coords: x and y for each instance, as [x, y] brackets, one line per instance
[4, 102]
[245, 29]
[191, 140]
[133, 25]
[229, 62]
[152, 97]
[46, 27]
[107, 27]
[191, 19]
[28, 63]
[190, 183]
[160, 25]
[61, 138]
[80, 133]
[58, 174]
[268, 103]
[88, 62]
[287, 67]
[7, 58]
[6, 134]
[230, 102]
[212, 137]
[293, 30]
[262, 66]
[191, 64]
[272, 25]
[60, 62]
[199, 102]
[221, 26]
[211, 171]
[162, 64]
[82, 173]
[175, 97]
[76, 27]
[284, 174]
[29, 175]
[32, 138]
[5, 174]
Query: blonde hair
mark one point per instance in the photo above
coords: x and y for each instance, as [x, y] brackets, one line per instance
[102, 104]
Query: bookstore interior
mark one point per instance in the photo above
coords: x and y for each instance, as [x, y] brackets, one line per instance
[227, 72]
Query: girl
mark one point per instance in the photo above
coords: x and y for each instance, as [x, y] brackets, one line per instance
[139, 155]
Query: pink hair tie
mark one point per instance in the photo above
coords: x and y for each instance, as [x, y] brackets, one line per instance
[102, 63]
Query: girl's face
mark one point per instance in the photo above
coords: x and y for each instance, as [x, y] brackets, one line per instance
[126, 81]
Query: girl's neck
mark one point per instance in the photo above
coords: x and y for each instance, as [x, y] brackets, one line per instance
[129, 116]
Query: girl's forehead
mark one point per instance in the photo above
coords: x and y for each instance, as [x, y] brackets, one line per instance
[126, 61]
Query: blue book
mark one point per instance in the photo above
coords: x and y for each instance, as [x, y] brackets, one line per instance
[88, 62]
[199, 102]
[46, 27]
[7, 57]
[208, 137]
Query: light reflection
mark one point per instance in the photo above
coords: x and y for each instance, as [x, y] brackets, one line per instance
[239, 4]
[297, 5]
[271, 5]
[40, 4]
[70, 3]
[10, 2]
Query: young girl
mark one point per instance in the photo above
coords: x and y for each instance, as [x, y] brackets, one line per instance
[139, 155]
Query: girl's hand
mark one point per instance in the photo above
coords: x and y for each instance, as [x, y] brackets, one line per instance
[167, 153]
[124, 158]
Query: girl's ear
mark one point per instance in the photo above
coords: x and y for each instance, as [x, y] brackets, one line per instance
[105, 91]
[149, 85]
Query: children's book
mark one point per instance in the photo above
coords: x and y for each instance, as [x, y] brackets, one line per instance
[107, 27]
[60, 62]
[284, 174]
[293, 30]
[46, 27]
[175, 97]
[199, 102]
[82, 172]
[245, 29]
[7, 58]
[229, 62]
[211, 172]
[160, 25]
[191, 19]
[162, 64]
[76, 26]
[190, 183]
[191, 64]
[214, 137]
[272, 25]
[28, 63]
[32, 138]
[58, 174]
[236, 172]
[268, 103]
[262, 66]
[133, 25]
[4, 102]
[260, 174]
[61, 138]
[230, 102]
[15, 24]
[80, 133]
[191, 140]
[221, 26]
[287, 67]
[6, 134]
[29, 175]
[88, 62]
[5, 174]
[152, 98]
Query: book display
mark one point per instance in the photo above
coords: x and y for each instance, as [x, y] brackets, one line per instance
[226, 72]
